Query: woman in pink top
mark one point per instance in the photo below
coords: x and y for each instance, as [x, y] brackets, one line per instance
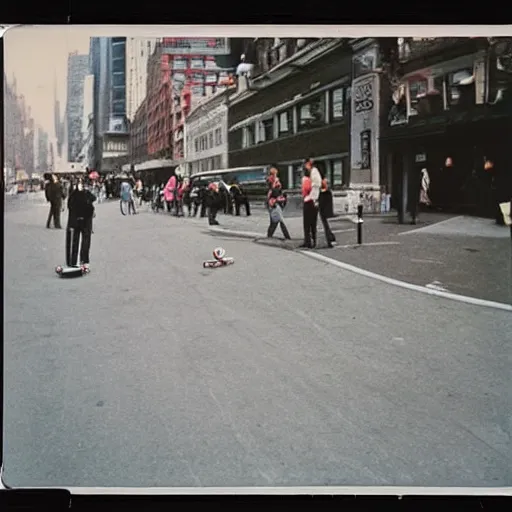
[170, 193]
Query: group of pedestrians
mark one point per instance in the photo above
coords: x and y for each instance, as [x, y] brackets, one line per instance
[315, 198]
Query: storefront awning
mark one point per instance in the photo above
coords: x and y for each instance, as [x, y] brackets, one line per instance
[264, 115]
[155, 164]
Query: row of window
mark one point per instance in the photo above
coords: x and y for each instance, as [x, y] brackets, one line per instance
[337, 172]
[206, 164]
[209, 141]
[317, 111]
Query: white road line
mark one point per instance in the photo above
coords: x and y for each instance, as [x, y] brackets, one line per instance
[423, 289]
[417, 260]
[365, 245]
[418, 230]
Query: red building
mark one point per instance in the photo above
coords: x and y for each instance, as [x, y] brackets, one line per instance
[159, 119]
[194, 74]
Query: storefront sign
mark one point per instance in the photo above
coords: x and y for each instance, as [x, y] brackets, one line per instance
[363, 97]
[420, 158]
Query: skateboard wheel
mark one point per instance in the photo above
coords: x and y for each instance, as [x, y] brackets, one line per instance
[219, 253]
[58, 269]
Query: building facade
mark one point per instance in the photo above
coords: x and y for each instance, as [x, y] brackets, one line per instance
[159, 111]
[78, 69]
[206, 135]
[448, 108]
[138, 51]
[42, 151]
[298, 107]
[108, 65]
[139, 134]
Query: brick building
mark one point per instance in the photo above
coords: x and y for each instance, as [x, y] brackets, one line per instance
[159, 96]
[139, 134]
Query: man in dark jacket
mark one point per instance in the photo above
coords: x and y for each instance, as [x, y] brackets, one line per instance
[214, 202]
[239, 198]
[81, 213]
[54, 195]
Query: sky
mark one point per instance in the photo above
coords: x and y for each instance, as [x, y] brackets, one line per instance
[37, 57]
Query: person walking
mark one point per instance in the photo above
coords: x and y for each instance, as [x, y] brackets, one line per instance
[276, 201]
[81, 213]
[54, 195]
[311, 185]
[239, 198]
[170, 195]
[325, 211]
[214, 202]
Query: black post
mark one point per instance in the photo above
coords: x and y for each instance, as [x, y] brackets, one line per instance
[359, 224]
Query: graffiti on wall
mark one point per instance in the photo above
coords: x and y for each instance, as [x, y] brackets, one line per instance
[365, 124]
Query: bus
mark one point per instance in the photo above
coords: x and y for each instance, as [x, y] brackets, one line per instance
[252, 179]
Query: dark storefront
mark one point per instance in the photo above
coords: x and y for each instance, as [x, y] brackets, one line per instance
[304, 114]
[459, 124]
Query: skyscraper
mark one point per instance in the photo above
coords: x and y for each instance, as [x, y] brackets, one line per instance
[108, 65]
[78, 68]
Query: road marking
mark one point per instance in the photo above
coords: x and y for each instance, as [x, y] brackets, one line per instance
[416, 260]
[402, 284]
[418, 230]
[341, 230]
[365, 245]
[436, 285]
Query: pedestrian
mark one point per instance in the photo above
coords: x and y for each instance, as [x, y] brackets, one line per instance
[214, 203]
[203, 197]
[126, 193]
[276, 201]
[170, 193]
[81, 213]
[54, 195]
[311, 185]
[187, 200]
[239, 198]
[195, 200]
[325, 210]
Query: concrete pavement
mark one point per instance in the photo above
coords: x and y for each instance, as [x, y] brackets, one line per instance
[461, 255]
[152, 371]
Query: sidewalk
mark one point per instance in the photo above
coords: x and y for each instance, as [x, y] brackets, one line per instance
[461, 255]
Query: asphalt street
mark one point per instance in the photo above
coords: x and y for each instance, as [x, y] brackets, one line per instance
[276, 371]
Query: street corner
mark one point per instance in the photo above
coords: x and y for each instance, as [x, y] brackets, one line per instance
[280, 243]
[232, 233]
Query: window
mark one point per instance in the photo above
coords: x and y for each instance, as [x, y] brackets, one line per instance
[298, 173]
[118, 94]
[197, 63]
[267, 128]
[211, 78]
[417, 91]
[196, 145]
[248, 136]
[337, 104]
[198, 90]
[179, 63]
[119, 108]
[118, 66]
[198, 77]
[218, 136]
[285, 121]
[179, 77]
[118, 79]
[210, 139]
[460, 87]
[118, 51]
[312, 113]
[336, 173]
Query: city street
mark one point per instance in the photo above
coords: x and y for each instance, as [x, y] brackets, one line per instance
[276, 371]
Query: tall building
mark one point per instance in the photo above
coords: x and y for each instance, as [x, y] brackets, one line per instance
[138, 51]
[78, 68]
[58, 123]
[42, 151]
[108, 65]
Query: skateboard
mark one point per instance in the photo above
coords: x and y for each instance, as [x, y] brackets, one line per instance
[220, 259]
[218, 263]
[72, 271]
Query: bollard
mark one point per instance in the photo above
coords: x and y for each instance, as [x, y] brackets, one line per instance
[359, 224]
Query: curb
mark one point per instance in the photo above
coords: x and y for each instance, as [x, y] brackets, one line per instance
[408, 286]
[235, 234]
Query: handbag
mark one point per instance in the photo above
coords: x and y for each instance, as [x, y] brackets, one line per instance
[276, 214]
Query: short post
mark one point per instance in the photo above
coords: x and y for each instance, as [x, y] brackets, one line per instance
[359, 224]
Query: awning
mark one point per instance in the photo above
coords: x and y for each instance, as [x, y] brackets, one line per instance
[155, 164]
[267, 114]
